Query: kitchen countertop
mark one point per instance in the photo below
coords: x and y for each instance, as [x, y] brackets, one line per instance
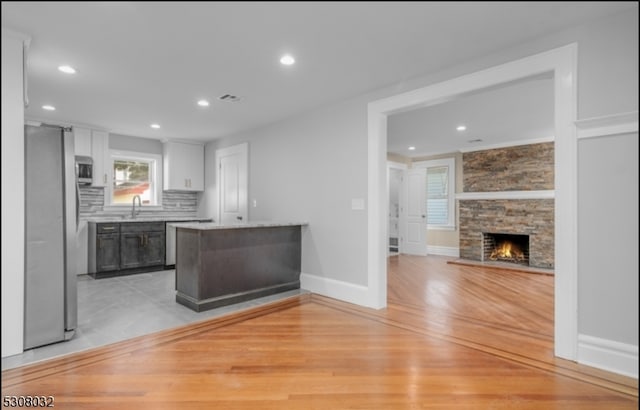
[207, 226]
[158, 218]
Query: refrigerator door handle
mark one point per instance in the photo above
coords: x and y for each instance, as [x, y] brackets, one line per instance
[71, 286]
[77, 206]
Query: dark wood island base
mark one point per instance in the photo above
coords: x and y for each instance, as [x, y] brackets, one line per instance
[221, 265]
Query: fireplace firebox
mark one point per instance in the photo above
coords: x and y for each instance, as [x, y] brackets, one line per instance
[502, 247]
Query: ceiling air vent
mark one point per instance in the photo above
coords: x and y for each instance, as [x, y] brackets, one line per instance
[229, 98]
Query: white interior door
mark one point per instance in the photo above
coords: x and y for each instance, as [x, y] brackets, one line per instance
[396, 176]
[415, 242]
[231, 164]
[395, 184]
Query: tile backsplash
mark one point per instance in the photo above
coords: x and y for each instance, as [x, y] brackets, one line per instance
[174, 203]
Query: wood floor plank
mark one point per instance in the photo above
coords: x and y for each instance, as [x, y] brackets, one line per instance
[421, 352]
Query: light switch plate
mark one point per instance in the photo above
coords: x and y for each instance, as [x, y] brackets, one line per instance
[357, 204]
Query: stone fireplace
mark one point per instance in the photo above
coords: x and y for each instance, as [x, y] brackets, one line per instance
[508, 195]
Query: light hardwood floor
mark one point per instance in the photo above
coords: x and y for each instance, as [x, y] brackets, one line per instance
[451, 337]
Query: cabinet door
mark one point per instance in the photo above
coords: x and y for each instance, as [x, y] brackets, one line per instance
[140, 249]
[107, 252]
[154, 249]
[196, 166]
[82, 141]
[132, 250]
[101, 158]
[183, 166]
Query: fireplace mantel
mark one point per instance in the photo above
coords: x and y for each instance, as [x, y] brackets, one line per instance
[544, 194]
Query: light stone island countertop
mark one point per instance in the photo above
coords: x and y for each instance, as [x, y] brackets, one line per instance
[207, 226]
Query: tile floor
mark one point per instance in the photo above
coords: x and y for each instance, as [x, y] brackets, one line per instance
[115, 309]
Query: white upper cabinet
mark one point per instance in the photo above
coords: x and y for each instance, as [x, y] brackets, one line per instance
[183, 166]
[100, 155]
[94, 144]
[82, 141]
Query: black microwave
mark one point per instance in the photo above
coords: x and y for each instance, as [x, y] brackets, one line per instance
[84, 170]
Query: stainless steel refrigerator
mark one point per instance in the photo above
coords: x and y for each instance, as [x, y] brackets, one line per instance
[50, 309]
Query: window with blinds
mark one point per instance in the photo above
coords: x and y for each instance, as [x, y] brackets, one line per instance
[440, 192]
[438, 195]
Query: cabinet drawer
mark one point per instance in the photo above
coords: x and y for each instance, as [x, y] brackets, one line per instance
[108, 228]
[134, 227]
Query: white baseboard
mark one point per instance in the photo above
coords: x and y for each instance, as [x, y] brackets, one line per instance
[443, 251]
[608, 355]
[336, 289]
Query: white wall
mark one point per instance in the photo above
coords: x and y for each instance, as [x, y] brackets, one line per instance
[608, 66]
[608, 218]
[296, 173]
[12, 194]
[608, 251]
[137, 144]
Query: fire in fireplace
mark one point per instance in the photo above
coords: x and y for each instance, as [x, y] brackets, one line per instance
[506, 248]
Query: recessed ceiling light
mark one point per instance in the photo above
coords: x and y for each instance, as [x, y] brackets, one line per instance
[155, 126]
[203, 103]
[287, 60]
[67, 69]
[461, 127]
[412, 148]
[49, 107]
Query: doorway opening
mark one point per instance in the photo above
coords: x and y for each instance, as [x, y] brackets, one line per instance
[562, 63]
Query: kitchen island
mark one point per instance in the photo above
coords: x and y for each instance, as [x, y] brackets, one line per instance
[222, 264]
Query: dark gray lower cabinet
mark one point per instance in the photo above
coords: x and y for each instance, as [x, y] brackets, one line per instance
[124, 248]
[141, 244]
[108, 252]
[104, 247]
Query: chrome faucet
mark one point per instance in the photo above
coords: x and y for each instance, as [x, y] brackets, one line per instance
[133, 206]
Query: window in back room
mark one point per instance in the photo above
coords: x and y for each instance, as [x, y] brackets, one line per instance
[440, 192]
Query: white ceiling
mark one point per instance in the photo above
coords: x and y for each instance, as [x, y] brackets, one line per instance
[145, 62]
[510, 114]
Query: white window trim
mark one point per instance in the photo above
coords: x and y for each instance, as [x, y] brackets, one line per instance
[451, 195]
[157, 177]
